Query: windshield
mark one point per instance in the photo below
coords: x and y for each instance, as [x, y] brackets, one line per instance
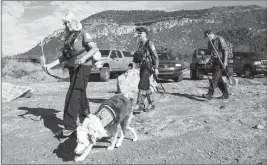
[104, 53]
[127, 54]
[165, 56]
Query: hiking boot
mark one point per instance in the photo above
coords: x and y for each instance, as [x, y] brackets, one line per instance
[139, 108]
[150, 107]
[66, 132]
[207, 96]
[225, 95]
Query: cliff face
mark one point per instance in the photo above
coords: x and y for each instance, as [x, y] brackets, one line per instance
[181, 31]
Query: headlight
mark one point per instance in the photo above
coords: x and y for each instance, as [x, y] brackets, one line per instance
[178, 65]
[256, 63]
[207, 60]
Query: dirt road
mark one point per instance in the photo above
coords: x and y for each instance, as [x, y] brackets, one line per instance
[184, 128]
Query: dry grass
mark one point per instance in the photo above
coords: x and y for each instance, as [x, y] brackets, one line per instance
[13, 69]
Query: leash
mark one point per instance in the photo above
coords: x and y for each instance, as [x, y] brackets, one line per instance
[42, 63]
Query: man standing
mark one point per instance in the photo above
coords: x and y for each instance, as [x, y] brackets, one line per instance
[217, 68]
[149, 62]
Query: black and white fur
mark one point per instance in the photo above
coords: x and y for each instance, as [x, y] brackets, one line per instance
[92, 129]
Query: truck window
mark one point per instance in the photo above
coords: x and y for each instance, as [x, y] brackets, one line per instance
[127, 54]
[113, 54]
[119, 54]
[104, 53]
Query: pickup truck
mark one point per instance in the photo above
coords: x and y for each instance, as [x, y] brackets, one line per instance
[250, 63]
[112, 61]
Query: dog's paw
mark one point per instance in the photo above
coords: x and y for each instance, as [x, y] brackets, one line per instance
[78, 159]
[110, 148]
[135, 139]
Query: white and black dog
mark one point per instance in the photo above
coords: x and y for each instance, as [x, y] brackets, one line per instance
[112, 116]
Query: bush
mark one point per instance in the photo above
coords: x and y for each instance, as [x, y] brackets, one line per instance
[13, 69]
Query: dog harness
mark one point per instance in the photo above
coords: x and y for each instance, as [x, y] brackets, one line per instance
[106, 115]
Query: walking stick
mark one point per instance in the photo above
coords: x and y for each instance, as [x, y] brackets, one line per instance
[232, 81]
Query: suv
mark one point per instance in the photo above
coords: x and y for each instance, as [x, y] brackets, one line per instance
[169, 68]
[112, 62]
[201, 60]
[202, 64]
[250, 63]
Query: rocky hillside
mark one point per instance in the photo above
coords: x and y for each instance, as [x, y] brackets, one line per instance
[181, 31]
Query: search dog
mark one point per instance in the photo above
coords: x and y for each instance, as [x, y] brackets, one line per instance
[113, 116]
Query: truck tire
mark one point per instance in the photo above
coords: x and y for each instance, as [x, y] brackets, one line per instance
[104, 74]
[193, 74]
[199, 74]
[247, 71]
[178, 78]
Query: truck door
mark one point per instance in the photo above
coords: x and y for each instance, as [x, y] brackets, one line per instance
[122, 63]
[114, 60]
[238, 60]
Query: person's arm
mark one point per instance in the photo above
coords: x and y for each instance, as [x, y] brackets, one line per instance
[56, 62]
[88, 40]
[154, 54]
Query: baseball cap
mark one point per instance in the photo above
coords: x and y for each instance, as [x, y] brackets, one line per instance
[142, 29]
[207, 32]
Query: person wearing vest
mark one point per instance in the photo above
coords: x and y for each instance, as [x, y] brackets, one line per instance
[77, 55]
[149, 61]
[217, 80]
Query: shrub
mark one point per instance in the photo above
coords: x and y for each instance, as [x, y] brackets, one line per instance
[13, 69]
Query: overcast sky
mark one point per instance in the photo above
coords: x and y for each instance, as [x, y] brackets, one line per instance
[24, 23]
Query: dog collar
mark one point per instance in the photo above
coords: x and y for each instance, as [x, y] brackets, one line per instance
[106, 115]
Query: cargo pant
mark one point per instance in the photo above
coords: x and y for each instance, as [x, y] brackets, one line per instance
[144, 87]
[217, 79]
[76, 101]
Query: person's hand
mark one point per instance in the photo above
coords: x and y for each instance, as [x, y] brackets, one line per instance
[132, 53]
[81, 61]
[156, 71]
[224, 66]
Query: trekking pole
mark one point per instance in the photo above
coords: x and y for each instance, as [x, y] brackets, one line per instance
[231, 80]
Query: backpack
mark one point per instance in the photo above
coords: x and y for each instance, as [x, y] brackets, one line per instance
[229, 46]
[150, 51]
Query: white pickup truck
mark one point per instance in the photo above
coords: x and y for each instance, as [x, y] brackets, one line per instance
[112, 61]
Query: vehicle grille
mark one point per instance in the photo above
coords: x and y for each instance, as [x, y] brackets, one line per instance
[264, 62]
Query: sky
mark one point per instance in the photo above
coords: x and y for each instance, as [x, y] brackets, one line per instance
[25, 23]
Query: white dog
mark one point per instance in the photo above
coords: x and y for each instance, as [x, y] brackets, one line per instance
[114, 115]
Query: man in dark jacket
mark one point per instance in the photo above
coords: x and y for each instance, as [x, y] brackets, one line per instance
[149, 62]
[217, 68]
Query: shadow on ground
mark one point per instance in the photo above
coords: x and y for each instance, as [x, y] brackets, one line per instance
[51, 121]
[65, 150]
[189, 96]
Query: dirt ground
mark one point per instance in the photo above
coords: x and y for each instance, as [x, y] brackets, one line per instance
[184, 128]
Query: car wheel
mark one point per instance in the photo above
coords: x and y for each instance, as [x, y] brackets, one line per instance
[193, 74]
[239, 74]
[200, 74]
[178, 78]
[247, 72]
[104, 74]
